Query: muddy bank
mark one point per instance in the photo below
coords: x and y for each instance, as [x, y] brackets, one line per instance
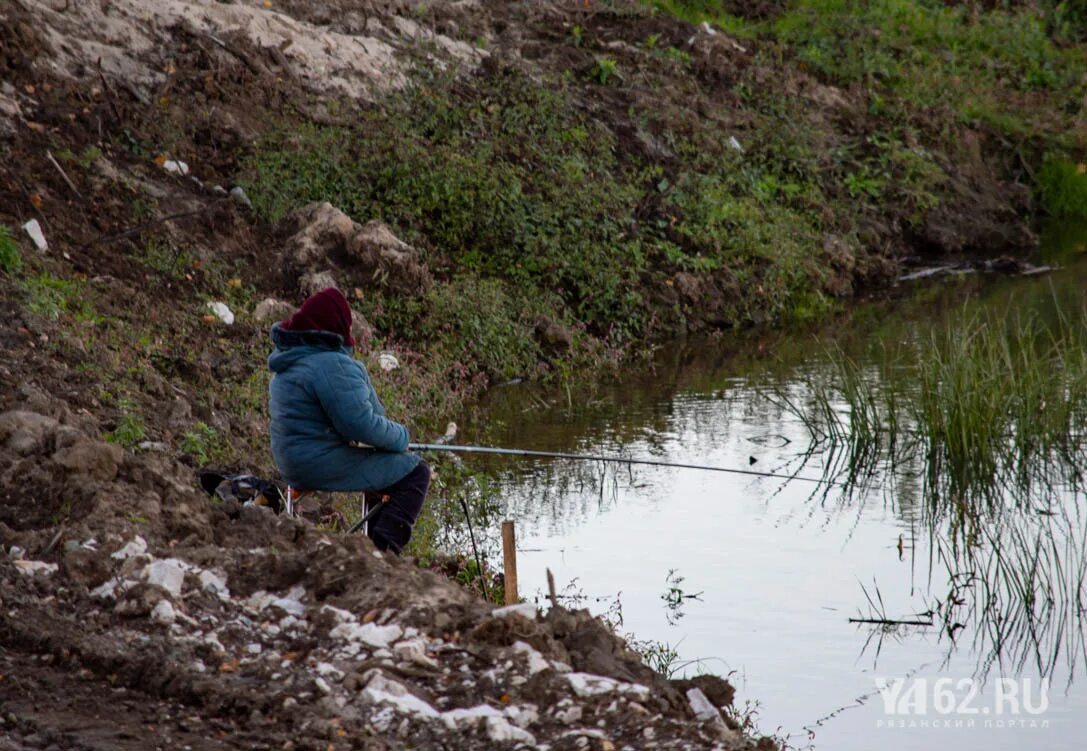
[226, 626]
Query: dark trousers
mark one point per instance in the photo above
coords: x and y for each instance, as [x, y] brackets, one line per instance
[390, 528]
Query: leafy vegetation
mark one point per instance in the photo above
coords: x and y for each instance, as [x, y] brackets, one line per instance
[50, 297]
[202, 443]
[993, 401]
[130, 429]
[1063, 188]
[10, 260]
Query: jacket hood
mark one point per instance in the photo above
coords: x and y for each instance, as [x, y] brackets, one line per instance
[292, 346]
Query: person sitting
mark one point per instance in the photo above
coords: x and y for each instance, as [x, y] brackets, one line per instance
[329, 429]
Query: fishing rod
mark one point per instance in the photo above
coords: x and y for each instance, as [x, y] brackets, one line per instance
[603, 458]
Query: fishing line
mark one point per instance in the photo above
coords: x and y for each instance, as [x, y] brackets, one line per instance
[604, 458]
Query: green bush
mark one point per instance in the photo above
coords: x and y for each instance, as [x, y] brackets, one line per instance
[1068, 20]
[130, 430]
[10, 261]
[201, 443]
[507, 179]
[1063, 188]
[930, 54]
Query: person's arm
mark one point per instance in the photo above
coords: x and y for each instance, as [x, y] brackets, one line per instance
[346, 399]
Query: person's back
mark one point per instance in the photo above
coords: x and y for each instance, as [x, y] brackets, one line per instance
[329, 430]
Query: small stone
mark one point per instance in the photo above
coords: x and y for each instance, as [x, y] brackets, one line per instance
[175, 167]
[168, 573]
[387, 361]
[237, 194]
[222, 312]
[322, 685]
[34, 229]
[701, 706]
[569, 716]
[136, 546]
[163, 613]
[30, 568]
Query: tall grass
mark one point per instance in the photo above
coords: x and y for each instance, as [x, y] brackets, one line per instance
[985, 418]
[987, 403]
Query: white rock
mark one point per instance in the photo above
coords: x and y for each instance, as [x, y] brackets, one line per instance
[382, 720]
[468, 715]
[524, 716]
[536, 661]
[222, 312]
[136, 546]
[701, 706]
[291, 603]
[368, 633]
[381, 689]
[388, 361]
[34, 229]
[108, 591]
[322, 685]
[325, 670]
[587, 684]
[735, 144]
[215, 583]
[29, 568]
[569, 716]
[212, 640]
[500, 730]
[168, 573]
[341, 615]
[527, 609]
[163, 612]
[414, 650]
[237, 194]
[175, 167]
[16, 553]
[706, 28]
[254, 648]
[259, 600]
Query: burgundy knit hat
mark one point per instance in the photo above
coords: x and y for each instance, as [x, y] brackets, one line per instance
[325, 311]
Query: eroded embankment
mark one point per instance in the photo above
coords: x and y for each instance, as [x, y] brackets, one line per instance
[231, 627]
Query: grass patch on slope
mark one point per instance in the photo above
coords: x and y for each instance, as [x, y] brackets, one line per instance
[519, 200]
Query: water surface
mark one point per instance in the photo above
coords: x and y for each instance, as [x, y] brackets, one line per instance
[779, 567]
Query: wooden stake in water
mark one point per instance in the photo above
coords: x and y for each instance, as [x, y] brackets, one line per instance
[509, 556]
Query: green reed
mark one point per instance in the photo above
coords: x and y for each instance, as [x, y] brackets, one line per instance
[991, 402]
[981, 421]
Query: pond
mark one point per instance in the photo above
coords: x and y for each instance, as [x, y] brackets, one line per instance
[963, 540]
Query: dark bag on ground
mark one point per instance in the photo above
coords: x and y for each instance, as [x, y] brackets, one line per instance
[245, 489]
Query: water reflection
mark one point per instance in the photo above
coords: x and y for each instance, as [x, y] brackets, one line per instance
[993, 554]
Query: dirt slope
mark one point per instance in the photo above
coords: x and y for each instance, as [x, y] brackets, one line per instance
[135, 613]
[148, 611]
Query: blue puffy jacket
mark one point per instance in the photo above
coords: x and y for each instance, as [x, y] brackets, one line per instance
[321, 399]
